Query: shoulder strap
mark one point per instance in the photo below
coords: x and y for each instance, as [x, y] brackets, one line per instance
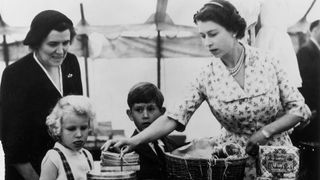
[90, 165]
[66, 165]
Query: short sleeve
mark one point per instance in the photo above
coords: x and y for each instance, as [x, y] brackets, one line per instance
[53, 157]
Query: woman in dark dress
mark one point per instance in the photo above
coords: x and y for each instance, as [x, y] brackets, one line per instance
[31, 87]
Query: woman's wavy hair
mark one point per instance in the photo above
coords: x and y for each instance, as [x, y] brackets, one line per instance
[80, 105]
[223, 13]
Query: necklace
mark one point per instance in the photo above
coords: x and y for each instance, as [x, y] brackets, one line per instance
[235, 70]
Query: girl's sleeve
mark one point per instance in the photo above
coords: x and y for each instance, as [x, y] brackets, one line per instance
[192, 99]
[51, 157]
[291, 99]
[49, 166]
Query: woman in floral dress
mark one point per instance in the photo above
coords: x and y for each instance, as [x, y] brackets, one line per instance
[246, 89]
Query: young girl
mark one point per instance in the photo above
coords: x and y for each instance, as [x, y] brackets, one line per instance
[69, 124]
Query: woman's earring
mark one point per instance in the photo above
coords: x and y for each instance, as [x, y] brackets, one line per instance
[234, 35]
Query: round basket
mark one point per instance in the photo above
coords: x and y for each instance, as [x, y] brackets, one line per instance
[179, 168]
[124, 175]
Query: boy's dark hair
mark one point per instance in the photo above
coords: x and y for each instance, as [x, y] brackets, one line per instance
[145, 92]
[314, 24]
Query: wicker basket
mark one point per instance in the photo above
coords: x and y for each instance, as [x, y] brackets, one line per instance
[204, 169]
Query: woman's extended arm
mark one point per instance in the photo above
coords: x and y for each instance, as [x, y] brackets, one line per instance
[284, 123]
[161, 127]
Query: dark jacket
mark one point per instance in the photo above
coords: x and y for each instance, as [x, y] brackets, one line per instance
[309, 65]
[27, 96]
[151, 165]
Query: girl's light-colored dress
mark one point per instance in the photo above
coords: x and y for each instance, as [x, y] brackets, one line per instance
[267, 94]
[76, 159]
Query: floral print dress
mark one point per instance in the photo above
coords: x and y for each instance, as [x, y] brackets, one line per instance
[266, 95]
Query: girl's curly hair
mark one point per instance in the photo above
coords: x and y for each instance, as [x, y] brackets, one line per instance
[77, 104]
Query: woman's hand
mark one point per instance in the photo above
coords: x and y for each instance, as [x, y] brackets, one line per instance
[258, 138]
[119, 145]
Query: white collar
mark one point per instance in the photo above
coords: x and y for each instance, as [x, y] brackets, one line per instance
[44, 69]
[66, 150]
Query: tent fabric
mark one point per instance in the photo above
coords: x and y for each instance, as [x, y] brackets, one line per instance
[16, 50]
[132, 47]
[127, 47]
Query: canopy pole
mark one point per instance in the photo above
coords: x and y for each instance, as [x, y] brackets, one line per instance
[5, 50]
[159, 50]
[85, 48]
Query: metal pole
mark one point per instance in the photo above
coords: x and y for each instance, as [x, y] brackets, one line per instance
[159, 49]
[5, 50]
[85, 48]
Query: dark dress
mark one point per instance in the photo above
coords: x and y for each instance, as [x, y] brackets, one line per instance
[308, 138]
[152, 166]
[27, 96]
[309, 66]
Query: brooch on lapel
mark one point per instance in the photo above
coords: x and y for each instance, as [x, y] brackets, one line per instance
[69, 75]
[251, 63]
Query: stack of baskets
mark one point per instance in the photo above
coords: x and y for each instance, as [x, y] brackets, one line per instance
[113, 162]
[179, 168]
[116, 167]
[124, 175]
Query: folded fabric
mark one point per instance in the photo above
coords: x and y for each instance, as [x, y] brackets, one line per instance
[207, 148]
[228, 150]
[197, 148]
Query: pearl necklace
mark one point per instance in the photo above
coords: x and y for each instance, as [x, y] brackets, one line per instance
[235, 70]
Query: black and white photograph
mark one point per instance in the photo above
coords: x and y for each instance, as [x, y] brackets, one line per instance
[159, 90]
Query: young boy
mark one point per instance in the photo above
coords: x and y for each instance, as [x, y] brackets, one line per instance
[145, 103]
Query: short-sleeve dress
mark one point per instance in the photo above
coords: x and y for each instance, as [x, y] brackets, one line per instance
[266, 95]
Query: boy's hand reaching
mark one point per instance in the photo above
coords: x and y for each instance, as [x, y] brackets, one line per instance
[122, 146]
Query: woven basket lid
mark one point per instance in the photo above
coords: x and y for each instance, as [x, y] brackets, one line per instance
[110, 156]
[96, 174]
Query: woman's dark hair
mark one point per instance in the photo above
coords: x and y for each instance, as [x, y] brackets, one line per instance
[43, 23]
[145, 92]
[223, 13]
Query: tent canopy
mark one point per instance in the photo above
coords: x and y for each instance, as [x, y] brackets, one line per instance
[127, 12]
